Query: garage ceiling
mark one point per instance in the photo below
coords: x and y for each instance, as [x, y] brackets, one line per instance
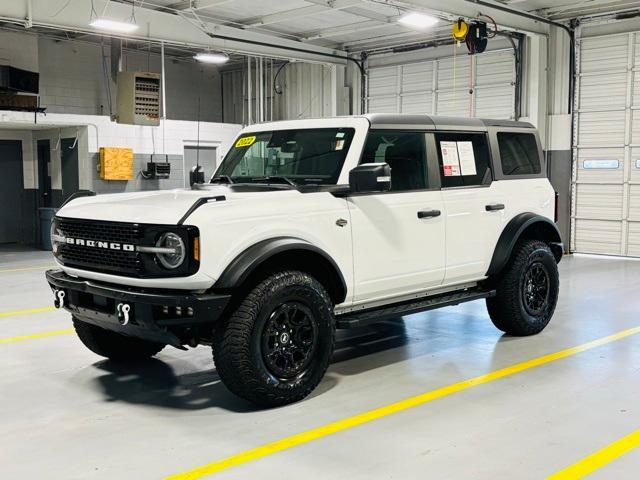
[355, 25]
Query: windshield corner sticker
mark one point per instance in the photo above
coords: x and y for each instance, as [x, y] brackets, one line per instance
[245, 141]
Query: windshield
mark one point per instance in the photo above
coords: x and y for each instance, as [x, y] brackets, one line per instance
[309, 156]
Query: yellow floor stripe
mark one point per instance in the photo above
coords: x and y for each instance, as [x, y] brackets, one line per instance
[36, 336]
[351, 422]
[27, 269]
[28, 311]
[599, 459]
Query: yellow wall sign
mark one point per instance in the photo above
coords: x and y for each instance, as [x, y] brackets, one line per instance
[245, 142]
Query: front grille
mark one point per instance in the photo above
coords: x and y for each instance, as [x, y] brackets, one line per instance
[100, 259]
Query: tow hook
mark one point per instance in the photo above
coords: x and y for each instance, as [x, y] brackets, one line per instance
[123, 313]
[58, 298]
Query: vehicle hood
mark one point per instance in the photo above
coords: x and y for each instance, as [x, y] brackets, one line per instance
[165, 207]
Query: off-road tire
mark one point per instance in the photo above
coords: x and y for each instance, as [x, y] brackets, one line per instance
[509, 311]
[238, 348]
[114, 346]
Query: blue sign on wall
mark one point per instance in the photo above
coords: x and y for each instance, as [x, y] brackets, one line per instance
[609, 164]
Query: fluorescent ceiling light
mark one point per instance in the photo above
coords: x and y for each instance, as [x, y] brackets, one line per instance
[113, 25]
[212, 57]
[418, 20]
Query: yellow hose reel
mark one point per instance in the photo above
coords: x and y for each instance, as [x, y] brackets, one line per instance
[460, 30]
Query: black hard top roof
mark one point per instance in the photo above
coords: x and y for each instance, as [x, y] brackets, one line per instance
[379, 120]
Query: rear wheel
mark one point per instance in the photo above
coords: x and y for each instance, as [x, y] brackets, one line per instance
[276, 346]
[527, 290]
[114, 346]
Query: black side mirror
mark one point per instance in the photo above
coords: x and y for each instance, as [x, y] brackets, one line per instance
[370, 177]
[196, 175]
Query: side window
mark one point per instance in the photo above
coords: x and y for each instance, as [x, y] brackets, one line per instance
[405, 154]
[464, 159]
[519, 153]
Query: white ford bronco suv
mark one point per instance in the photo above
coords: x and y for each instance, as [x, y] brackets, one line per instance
[308, 226]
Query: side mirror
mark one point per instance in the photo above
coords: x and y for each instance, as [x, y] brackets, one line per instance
[196, 175]
[370, 177]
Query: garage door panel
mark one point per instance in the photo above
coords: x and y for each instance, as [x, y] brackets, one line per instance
[493, 102]
[495, 69]
[446, 72]
[599, 201]
[590, 161]
[383, 105]
[417, 77]
[593, 236]
[608, 91]
[604, 53]
[417, 103]
[601, 128]
[383, 81]
[634, 175]
[633, 239]
[455, 103]
[634, 203]
[635, 127]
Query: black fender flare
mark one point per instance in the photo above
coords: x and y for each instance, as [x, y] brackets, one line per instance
[536, 227]
[250, 259]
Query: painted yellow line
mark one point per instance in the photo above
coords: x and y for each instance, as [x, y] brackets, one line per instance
[28, 311]
[36, 336]
[599, 459]
[27, 269]
[351, 422]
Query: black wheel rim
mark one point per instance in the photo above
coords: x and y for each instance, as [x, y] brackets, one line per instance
[535, 289]
[289, 339]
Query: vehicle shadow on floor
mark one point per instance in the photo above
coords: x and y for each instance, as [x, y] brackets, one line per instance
[155, 382]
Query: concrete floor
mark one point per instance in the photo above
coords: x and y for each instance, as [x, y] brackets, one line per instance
[67, 414]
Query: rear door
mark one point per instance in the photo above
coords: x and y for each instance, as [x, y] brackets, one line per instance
[398, 236]
[474, 204]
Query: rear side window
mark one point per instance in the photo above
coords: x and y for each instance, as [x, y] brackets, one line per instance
[464, 159]
[404, 152]
[519, 153]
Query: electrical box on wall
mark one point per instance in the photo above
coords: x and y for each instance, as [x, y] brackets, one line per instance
[139, 98]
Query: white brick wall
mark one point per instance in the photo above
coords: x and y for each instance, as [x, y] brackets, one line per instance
[19, 50]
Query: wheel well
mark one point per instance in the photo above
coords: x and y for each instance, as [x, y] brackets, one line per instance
[546, 233]
[302, 260]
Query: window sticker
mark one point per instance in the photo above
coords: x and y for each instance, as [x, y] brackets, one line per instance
[245, 141]
[467, 158]
[340, 135]
[339, 144]
[450, 161]
[601, 164]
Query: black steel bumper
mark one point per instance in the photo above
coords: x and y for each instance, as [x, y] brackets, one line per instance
[152, 314]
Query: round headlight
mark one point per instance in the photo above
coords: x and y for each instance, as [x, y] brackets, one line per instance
[175, 253]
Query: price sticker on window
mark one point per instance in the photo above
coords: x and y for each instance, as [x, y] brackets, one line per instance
[245, 142]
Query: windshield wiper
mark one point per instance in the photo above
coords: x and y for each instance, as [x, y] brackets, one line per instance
[225, 178]
[281, 178]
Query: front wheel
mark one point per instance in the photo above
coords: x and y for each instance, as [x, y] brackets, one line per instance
[275, 347]
[527, 290]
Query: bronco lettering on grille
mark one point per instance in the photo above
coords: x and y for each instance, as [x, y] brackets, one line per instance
[97, 244]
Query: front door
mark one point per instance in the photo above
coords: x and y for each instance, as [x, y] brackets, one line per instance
[398, 236]
[11, 188]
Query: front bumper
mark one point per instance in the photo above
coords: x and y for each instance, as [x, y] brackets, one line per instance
[163, 316]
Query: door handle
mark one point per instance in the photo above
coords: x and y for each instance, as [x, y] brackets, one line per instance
[494, 207]
[428, 213]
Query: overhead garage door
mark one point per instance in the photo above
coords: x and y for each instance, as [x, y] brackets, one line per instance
[606, 175]
[441, 87]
